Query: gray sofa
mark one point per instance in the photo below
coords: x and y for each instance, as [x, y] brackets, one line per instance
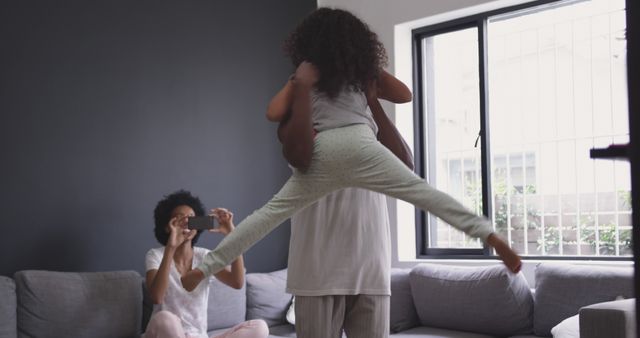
[427, 301]
[490, 302]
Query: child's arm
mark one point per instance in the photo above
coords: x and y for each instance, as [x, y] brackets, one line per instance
[296, 135]
[281, 103]
[388, 134]
[296, 129]
[392, 89]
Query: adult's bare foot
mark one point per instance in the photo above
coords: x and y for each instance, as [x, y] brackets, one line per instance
[509, 257]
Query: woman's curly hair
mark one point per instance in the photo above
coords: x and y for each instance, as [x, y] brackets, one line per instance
[343, 48]
[164, 208]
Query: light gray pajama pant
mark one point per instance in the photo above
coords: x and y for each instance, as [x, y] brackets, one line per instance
[360, 316]
[344, 157]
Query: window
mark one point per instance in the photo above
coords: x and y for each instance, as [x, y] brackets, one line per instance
[507, 106]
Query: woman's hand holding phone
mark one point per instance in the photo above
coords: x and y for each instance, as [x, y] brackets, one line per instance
[178, 234]
[225, 220]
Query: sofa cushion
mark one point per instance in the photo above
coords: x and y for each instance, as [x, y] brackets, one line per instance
[280, 331]
[562, 289]
[432, 332]
[488, 300]
[70, 304]
[267, 298]
[8, 324]
[403, 314]
[285, 330]
[227, 306]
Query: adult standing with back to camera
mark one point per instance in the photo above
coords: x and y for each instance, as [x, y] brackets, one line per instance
[338, 284]
[340, 248]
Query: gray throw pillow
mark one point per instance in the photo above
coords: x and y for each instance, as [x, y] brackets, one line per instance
[267, 298]
[562, 289]
[74, 304]
[489, 300]
[8, 322]
[227, 306]
[403, 314]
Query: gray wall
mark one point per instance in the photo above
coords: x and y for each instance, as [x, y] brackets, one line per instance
[108, 105]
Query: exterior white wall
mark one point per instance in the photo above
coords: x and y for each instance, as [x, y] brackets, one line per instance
[393, 22]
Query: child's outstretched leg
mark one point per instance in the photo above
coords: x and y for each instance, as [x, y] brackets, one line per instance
[300, 191]
[330, 165]
[381, 171]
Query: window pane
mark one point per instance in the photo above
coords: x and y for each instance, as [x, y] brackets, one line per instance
[452, 126]
[557, 88]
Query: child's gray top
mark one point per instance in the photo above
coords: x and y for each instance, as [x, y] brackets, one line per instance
[347, 108]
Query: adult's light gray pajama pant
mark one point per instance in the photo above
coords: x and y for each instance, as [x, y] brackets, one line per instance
[344, 157]
[360, 316]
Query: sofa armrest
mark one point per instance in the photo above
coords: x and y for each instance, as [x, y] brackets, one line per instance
[614, 319]
[8, 312]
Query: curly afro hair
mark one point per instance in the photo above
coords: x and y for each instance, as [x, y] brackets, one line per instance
[164, 208]
[343, 48]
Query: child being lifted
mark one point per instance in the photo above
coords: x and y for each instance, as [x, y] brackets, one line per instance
[338, 59]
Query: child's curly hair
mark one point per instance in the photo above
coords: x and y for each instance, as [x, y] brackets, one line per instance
[342, 47]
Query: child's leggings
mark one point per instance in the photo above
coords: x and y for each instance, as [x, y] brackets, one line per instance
[344, 157]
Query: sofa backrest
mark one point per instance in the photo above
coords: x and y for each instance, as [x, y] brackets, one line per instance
[8, 323]
[227, 306]
[402, 311]
[74, 304]
[267, 298]
[562, 289]
[489, 299]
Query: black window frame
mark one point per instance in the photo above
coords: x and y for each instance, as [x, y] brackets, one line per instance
[478, 21]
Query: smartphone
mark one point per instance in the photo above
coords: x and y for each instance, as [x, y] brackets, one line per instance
[201, 222]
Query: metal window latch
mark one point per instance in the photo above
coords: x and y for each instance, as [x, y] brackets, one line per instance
[475, 145]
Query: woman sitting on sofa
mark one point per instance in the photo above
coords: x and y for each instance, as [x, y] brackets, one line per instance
[176, 312]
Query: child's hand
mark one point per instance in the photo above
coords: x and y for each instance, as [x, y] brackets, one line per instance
[306, 74]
